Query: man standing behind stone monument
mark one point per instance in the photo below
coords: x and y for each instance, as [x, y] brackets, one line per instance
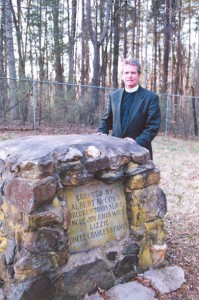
[133, 112]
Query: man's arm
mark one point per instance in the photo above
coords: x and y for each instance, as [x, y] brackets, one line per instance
[152, 123]
[107, 120]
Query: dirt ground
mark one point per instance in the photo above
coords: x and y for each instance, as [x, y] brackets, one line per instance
[178, 160]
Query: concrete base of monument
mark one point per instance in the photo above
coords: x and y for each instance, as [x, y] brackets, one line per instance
[77, 212]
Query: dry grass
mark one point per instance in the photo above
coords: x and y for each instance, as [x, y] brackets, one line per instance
[178, 161]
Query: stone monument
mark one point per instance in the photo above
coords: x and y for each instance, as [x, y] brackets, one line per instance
[77, 212]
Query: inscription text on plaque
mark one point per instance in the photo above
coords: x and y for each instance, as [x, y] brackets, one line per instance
[98, 215]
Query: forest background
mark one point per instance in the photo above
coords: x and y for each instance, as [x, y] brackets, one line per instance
[59, 59]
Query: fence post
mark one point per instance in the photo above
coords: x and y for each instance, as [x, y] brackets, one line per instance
[34, 104]
[167, 114]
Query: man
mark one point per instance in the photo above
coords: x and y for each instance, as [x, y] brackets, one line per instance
[133, 112]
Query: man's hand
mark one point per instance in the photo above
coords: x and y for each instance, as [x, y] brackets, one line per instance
[99, 133]
[129, 139]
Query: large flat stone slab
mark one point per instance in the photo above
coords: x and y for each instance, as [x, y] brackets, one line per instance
[167, 279]
[70, 146]
[128, 291]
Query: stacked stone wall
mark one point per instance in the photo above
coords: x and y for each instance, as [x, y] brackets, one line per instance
[42, 182]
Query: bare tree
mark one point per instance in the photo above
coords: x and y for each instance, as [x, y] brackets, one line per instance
[179, 62]
[125, 29]
[21, 38]
[11, 59]
[19, 29]
[167, 39]
[2, 60]
[72, 15]
[139, 25]
[146, 44]
[116, 38]
[195, 91]
[97, 39]
[189, 46]
[57, 36]
[156, 14]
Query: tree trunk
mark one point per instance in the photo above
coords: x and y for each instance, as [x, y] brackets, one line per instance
[72, 11]
[11, 60]
[125, 29]
[2, 80]
[58, 50]
[155, 50]
[179, 62]
[22, 48]
[167, 36]
[146, 45]
[138, 10]
[97, 40]
[194, 112]
[134, 26]
[116, 19]
[195, 91]
[83, 47]
[41, 65]
[189, 50]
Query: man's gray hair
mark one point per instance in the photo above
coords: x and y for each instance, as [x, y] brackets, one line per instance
[132, 62]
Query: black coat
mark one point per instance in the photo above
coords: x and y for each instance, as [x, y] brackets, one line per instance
[144, 117]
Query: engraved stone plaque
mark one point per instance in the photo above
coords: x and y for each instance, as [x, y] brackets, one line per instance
[98, 215]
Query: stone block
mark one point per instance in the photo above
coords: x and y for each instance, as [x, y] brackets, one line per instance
[131, 247]
[83, 279]
[11, 212]
[32, 265]
[49, 216]
[10, 251]
[146, 205]
[132, 168]
[28, 195]
[39, 287]
[36, 169]
[77, 179]
[127, 264]
[42, 240]
[63, 252]
[158, 253]
[3, 268]
[131, 291]
[70, 169]
[155, 230]
[110, 176]
[143, 180]
[167, 279]
[145, 257]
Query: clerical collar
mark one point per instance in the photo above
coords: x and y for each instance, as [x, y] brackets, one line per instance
[134, 89]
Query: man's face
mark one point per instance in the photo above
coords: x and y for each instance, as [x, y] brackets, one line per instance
[130, 76]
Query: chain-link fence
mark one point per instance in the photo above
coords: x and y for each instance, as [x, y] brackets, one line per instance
[180, 115]
[48, 103]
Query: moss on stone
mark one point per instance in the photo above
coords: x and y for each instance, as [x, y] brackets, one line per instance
[145, 259]
[3, 243]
